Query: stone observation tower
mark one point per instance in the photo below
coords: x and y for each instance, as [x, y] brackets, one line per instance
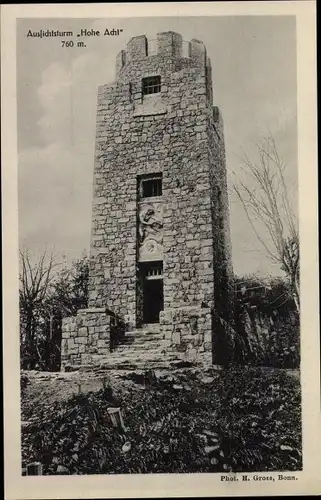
[160, 244]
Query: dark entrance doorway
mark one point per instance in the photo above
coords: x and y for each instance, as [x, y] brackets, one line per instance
[153, 300]
[150, 294]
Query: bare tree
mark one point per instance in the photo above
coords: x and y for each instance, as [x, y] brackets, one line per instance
[35, 280]
[266, 202]
[47, 294]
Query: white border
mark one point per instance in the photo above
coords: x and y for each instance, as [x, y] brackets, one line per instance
[163, 485]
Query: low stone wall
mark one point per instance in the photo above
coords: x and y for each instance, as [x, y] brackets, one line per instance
[87, 336]
[188, 331]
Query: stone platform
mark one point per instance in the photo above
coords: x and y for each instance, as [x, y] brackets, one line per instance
[96, 335]
[143, 348]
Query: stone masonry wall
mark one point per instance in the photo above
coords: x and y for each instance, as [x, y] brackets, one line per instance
[177, 133]
[85, 336]
[220, 216]
[168, 133]
[188, 331]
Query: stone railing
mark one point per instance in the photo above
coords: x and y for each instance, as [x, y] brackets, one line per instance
[88, 336]
[188, 331]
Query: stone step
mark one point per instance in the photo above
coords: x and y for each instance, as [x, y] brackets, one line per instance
[142, 345]
[147, 331]
[141, 339]
[146, 361]
[139, 354]
[136, 353]
[142, 331]
[135, 361]
[144, 364]
[149, 326]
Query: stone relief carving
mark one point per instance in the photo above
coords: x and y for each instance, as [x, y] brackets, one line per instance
[150, 230]
[151, 223]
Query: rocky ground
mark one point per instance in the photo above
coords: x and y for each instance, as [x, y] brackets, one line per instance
[182, 419]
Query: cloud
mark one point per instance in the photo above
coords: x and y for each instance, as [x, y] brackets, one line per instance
[55, 181]
[55, 207]
[68, 98]
[55, 79]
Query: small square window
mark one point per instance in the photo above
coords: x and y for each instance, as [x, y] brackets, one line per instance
[150, 186]
[151, 85]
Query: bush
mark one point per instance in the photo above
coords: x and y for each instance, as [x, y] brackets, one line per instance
[246, 420]
[260, 420]
[267, 320]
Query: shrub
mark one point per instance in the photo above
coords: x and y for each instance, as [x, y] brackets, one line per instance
[267, 320]
[247, 420]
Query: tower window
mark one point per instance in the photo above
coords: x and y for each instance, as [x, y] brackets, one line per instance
[151, 85]
[150, 185]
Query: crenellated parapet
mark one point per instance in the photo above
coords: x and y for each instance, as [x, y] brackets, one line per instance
[169, 50]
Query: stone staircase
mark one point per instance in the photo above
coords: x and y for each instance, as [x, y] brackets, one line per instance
[143, 348]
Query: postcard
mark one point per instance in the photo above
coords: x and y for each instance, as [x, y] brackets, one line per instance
[161, 319]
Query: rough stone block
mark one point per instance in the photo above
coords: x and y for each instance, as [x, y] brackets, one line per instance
[81, 340]
[70, 343]
[192, 353]
[181, 347]
[207, 346]
[79, 320]
[83, 331]
[208, 337]
[176, 337]
[102, 344]
[86, 358]
[74, 333]
[104, 350]
[168, 334]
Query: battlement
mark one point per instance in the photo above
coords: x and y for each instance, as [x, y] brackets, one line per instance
[168, 45]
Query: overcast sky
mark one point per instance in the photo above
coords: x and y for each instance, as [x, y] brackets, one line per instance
[254, 78]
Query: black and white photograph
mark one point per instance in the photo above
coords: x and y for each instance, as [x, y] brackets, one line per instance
[159, 247]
